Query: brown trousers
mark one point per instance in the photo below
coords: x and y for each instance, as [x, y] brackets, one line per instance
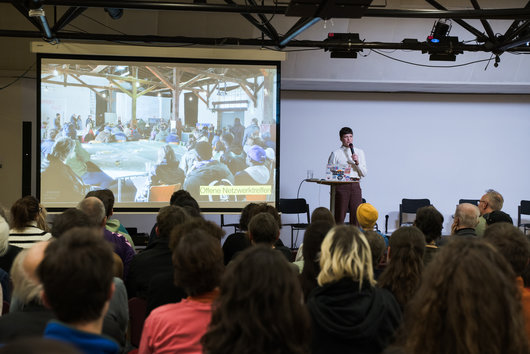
[347, 198]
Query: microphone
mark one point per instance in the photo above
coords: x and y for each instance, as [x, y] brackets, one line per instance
[351, 149]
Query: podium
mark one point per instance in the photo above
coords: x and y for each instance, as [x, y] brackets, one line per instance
[332, 185]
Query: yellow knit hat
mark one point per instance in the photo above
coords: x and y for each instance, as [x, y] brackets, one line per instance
[367, 216]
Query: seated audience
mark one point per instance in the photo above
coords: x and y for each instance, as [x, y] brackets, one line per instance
[198, 266]
[319, 214]
[378, 248]
[166, 170]
[367, 216]
[498, 216]
[258, 309]
[468, 302]
[257, 172]
[313, 237]
[7, 252]
[465, 220]
[348, 312]
[489, 202]
[156, 258]
[78, 286]
[267, 208]
[28, 223]
[430, 222]
[234, 157]
[514, 246]
[263, 229]
[239, 240]
[402, 274]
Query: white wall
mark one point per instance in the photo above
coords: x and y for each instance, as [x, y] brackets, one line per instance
[441, 147]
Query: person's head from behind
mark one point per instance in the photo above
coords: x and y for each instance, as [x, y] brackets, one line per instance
[490, 201]
[24, 211]
[367, 216]
[511, 243]
[466, 216]
[193, 224]
[265, 208]
[322, 214]
[166, 155]
[346, 254]
[407, 241]
[4, 236]
[26, 284]
[227, 139]
[430, 221]
[377, 246]
[76, 277]
[256, 156]
[204, 150]
[468, 302]
[245, 216]
[184, 199]
[62, 149]
[263, 229]
[69, 219]
[259, 292]
[107, 197]
[198, 262]
[94, 209]
[168, 217]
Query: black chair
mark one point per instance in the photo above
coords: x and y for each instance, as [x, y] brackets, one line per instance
[470, 201]
[523, 209]
[294, 206]
[410, 206]
[234, 225]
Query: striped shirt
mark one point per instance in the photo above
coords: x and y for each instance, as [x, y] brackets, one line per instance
[27, 236]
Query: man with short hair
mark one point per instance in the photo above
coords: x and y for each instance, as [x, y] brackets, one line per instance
[348, 196]
[263, 228]
[95, 210]
[465, 220]
[514, 246]
[489, 202]
[77, 285]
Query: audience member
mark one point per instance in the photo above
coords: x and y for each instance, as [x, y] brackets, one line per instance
[69, 219]
[237, 130]
[78, 286]
[430, 221]
[256, 172]
[377, 246]
[465, 220]
[238, 241]
[267, 208]
[263, 229]
[367, 216]
[28, 223]
[498, 216]
[251, 131]
[258, 309]
[166, 170]
[313, 237]
[113, 225]
[7, 252]
[156, 258]
[468, 302]
[491, 201]
[234, 156]
[514, 246]
[95, 210]
[318, 214]
[198, 266]
[347, 310]
[402, 274]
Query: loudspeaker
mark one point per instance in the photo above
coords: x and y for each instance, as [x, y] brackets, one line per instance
[26, 158]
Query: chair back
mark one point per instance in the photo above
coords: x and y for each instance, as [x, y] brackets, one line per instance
[137, 315]
[162, 193]
[293, 206]
[410, 206]
[523, 209]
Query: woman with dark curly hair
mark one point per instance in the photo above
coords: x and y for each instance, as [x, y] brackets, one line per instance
[28, 223]
[350, 314]
[259, 308]
[402, 274]
[468, 303]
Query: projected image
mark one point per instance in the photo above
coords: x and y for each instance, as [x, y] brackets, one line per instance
[147, 129]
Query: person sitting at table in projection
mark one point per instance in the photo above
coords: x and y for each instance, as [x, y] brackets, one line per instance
[256, 172]
[59, 181]
[105, 135]
[46, 146]
[173, 137]
[88, 134]
[218, 150]
[118, 134]
[188, 159]
[166, 170]
[206, 171]
[163, 132]
[234, 157]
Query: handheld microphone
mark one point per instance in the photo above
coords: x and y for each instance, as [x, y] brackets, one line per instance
[351, 149]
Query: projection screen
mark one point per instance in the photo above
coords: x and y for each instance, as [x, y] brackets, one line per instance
[147, 127]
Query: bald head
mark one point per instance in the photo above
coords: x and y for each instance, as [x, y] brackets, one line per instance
[94, 209]
[466, 216]
[26, 284]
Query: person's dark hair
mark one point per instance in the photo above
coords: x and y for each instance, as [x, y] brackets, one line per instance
[511, 243]
[204, 150]
[402, 275]
[75, 274]
[62, 148]
[263, 228]
[184, 199]
[258, 309]
[313, 237]
[377, 246]
[168, 217]
[106, 196]
[197, 262]
[228, 138]
[69, 219]
[24, 211]
[265, 208]
[322, 214]
[430, 221]
[166, 154]
[344, 131]
[245, 216]
[497, 216]
[468, 303]
[192, 224]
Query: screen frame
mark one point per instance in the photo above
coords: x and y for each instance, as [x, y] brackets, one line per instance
[121, 58]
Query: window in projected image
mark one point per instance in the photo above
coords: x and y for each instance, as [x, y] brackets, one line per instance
[147, 129]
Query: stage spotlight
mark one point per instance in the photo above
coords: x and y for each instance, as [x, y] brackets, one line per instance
[440, 30]
[340, 45]
[114, 13]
